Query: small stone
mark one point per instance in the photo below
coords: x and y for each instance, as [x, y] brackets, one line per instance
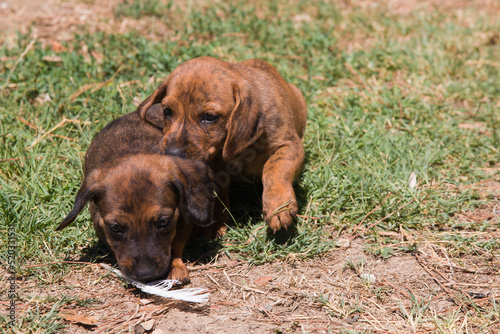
[353, 319]
[148, 325]
[139, 330]
[343, 243]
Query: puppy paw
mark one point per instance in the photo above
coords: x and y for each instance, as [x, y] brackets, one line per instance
[215, 231]
[220, 232]
[179, 272]
[279, 211]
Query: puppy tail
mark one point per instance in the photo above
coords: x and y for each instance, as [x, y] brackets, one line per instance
[83, 196]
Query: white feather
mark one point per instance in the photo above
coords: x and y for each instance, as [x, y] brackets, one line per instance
[161, 288]
[412, 181]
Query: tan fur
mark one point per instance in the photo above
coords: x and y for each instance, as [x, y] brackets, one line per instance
[258, 131]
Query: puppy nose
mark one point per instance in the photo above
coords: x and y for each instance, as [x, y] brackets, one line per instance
[145, 274]
[175, 151]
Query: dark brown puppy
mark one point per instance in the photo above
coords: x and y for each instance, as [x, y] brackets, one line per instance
[143, 204]
[242, 116]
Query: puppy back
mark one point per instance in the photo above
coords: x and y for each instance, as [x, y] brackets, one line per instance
[276, 93]
[127, 135]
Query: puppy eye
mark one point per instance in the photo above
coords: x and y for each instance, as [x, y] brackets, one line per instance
[209, 118]
[116, 228]
[164, 222]
[167, 112]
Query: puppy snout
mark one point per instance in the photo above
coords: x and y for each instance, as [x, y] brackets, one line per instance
[146, 270]
[175, 151]
[145, 274]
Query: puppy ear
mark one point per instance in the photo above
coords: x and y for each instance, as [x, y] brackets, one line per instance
[150, 104]
[85, 194]
[154, 116]
[196, 191]
[245, 122]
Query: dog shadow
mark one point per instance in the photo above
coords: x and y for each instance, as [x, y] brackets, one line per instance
[246, 207]
[201, 250]
[98, 252]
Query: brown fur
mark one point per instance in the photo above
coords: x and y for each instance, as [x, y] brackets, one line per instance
[260, 122]
[150, 199]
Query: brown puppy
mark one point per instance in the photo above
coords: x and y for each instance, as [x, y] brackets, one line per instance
[242, 116]
[143, 204]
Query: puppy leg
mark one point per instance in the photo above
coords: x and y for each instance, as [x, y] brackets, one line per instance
[221, 218]
[178, 269]
[221, 214]
[279, 205]
[221, 208]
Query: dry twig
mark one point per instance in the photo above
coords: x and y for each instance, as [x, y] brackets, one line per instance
[356, 75]
[25, 52]
[271, 315]
[58, 262]
[57, 126]
[448, 291]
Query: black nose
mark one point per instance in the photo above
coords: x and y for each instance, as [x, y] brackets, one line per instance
[175, 151]
[145, 273]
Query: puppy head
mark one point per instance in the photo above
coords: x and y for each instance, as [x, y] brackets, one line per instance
[136, 204]
[208, 107]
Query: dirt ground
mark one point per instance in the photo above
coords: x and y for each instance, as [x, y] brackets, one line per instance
[345, 289]
[321, 295]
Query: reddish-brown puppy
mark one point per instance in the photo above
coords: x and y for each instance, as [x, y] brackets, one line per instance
[143, 204]
[245, 118]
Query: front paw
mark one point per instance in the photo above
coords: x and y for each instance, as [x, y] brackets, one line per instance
[179, 272]
[215, 231]
[279, 209]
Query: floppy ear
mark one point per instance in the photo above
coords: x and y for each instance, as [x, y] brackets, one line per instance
[154, 116]
[150, 103]
[85, 194]
[245, 122]
[196, 191]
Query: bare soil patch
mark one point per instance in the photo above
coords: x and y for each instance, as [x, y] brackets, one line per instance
[343, 289]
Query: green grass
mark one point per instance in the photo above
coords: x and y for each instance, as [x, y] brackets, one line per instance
[138, 9]
[387, 96]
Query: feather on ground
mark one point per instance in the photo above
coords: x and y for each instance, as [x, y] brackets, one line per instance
[162, 288]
